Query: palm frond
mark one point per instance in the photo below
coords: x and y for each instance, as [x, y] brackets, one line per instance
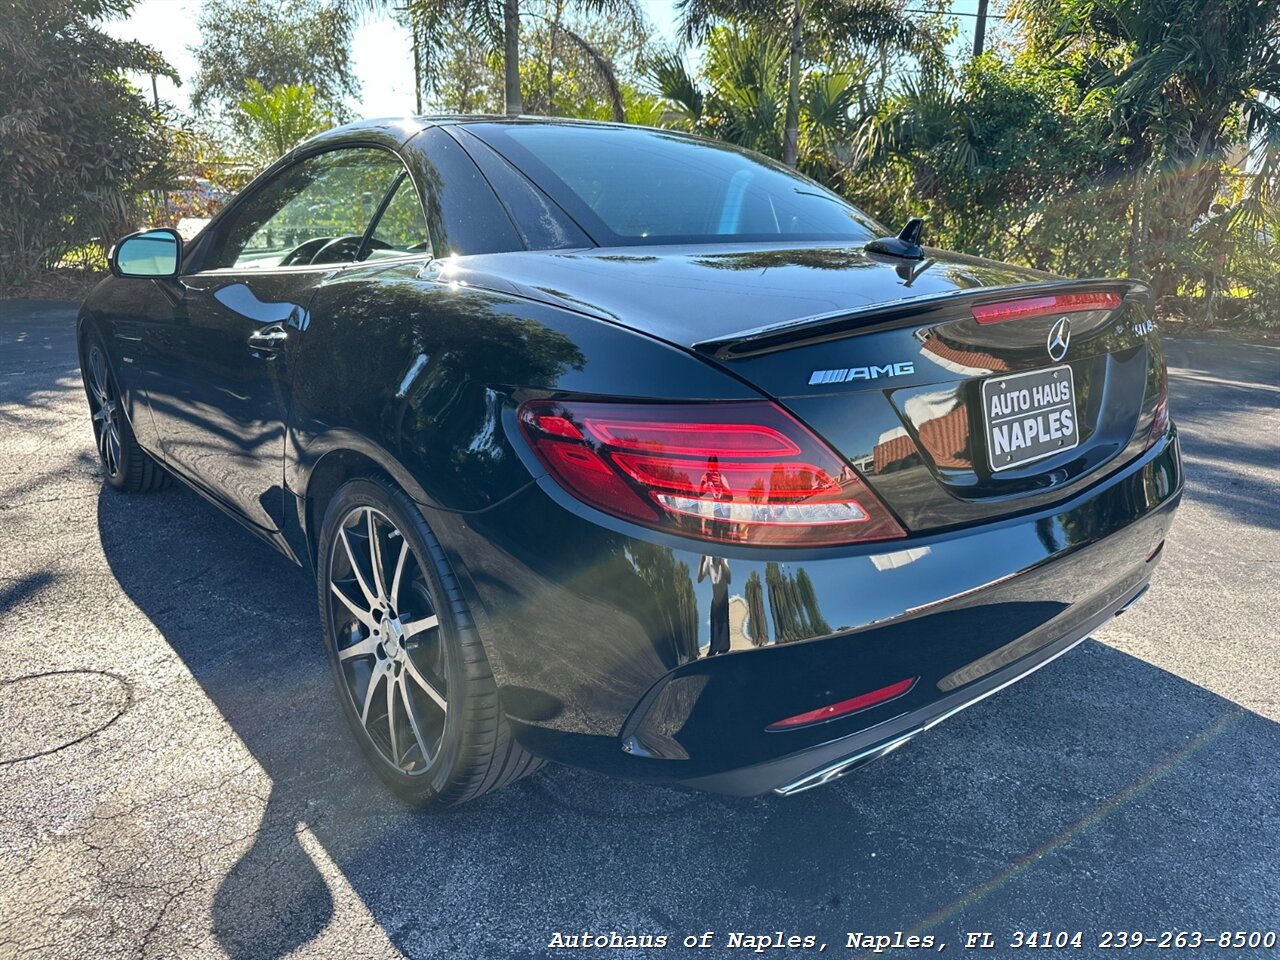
[668, 77]
[603, 69]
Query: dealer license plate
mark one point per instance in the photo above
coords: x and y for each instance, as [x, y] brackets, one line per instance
[1029, 416]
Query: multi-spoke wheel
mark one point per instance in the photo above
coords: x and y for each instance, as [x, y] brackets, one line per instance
[106, 412]
[126, 465]
[411, 674]
[393, 660]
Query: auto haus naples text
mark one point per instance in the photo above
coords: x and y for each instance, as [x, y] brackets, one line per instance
[759, 943]
[1048, 416]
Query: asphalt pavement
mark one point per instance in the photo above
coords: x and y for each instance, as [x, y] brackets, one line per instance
[175, 780]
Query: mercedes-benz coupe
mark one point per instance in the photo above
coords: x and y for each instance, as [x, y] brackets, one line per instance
[626, 449]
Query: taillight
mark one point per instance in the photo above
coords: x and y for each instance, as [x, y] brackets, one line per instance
[1160, 422]
[1026, 307]
[728, 472]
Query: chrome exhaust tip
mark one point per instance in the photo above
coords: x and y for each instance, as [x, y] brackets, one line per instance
[1135, 598]
[838, 769]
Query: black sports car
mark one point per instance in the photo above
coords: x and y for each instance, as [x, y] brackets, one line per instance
[617, 447]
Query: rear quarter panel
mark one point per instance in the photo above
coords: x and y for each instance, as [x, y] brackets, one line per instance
[423, 370]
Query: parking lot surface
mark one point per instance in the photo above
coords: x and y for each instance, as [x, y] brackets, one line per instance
[175, 780]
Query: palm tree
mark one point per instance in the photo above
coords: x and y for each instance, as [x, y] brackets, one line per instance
[804, 22]
[278, 118]
[1201, 84]
[558, 42]
[744, 93]
[499, 22]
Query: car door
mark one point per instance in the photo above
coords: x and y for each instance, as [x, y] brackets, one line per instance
[219, 375]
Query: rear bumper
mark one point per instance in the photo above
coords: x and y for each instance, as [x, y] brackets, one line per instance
[602, 640]
[796, 774]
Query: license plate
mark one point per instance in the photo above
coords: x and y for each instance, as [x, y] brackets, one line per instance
[1029, 416]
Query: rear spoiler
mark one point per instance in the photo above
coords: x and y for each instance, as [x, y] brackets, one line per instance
[933, 307]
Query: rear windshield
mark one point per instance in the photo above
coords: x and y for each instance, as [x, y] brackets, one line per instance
[636, 186]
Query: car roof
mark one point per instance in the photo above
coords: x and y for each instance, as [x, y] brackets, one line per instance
[395, 131]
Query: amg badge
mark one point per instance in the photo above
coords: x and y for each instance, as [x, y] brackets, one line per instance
[862, 373]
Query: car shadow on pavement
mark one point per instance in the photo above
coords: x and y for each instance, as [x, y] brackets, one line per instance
[1100, 793]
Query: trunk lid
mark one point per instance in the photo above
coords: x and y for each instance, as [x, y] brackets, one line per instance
[691, 294]
[885, 359]
[952, 421]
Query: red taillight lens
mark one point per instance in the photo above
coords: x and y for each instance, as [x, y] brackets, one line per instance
[1160, 422]
[1042, 306]
[728, 472]
[693, 439]
[846, 707]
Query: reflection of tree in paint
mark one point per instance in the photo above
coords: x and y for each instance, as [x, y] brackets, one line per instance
[664, 575]
[809, 600]
[1048, 534]
[815, 258]
[794, 605]
[755, 610]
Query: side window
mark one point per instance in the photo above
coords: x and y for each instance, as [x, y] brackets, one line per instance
[542, 224]
[402, 228]
[315, 211]
[462, 209]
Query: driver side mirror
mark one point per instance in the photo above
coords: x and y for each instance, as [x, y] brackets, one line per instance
[152, 254]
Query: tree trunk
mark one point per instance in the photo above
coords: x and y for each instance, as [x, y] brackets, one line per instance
[980, 29]
[791, 139]
[1183, 200]
[551, 58]
[1137, 209]
[511, 55]
[416, 27]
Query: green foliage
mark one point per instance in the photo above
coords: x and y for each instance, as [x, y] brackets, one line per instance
[1120, 137]
[465, 72]
[505, 26]
[747, 74]
[277, 119]
[793, 604]
[577, 63]
[741, 94]
[757, 622]
[78, 143]
[276, 43]
[1001, 158]
[574, 64]
[809, 28]
[1094, 148]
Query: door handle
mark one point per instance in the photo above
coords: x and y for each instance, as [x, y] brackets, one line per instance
[270, 337]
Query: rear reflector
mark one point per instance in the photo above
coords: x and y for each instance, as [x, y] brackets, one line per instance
[846, 707]
[1043, 306]
[726, 472]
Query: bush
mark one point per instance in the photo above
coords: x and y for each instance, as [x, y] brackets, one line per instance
[78, 144]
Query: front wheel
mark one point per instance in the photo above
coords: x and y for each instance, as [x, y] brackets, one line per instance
[412, 677]
[125, 464]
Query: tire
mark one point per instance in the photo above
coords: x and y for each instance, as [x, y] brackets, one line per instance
[125, 465]
[411, 675]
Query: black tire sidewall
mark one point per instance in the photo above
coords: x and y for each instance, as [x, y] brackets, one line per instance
[120, 479]
[409, 521]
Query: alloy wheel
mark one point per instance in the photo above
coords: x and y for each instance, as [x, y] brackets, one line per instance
[391, 652]
[105, 407]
